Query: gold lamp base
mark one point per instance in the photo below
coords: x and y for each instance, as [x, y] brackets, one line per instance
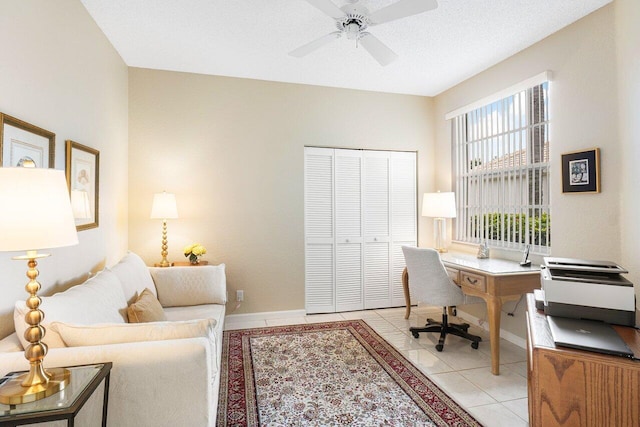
[38, 383]
[164, 262]
[14, 392]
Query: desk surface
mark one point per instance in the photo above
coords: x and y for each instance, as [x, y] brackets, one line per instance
[493, 266]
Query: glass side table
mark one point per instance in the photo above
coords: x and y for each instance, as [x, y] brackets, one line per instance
[63, 405]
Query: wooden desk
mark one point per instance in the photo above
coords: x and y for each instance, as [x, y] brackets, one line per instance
[494, 280]
[570, 387]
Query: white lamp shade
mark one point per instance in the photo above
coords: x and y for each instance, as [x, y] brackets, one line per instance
[164, 206]
[35, 210]
[439, 205]
[80, 204]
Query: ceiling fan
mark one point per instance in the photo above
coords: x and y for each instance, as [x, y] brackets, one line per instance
[353, 19]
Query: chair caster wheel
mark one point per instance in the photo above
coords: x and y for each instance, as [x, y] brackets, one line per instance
[439, 347]
[474, 345]
[415, 334]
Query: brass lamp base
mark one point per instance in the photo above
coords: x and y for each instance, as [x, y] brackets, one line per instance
[13, 392]
[163, 264]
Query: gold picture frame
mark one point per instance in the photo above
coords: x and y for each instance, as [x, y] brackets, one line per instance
[83, 179]
[24, 144]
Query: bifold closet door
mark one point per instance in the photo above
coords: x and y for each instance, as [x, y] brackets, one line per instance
[404, 210]
[348, 220]
[377, 290]
[319, 236]
[360, 209]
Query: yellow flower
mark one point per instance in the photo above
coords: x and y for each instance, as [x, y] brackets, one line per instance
[194, 250]
[199, 250]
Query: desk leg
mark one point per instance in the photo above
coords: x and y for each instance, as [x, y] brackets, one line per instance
[405, 287]
[494, 309]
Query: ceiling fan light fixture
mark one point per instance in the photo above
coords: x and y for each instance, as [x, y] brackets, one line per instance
[352, 30]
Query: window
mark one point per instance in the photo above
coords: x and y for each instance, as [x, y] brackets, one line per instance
[501, 171]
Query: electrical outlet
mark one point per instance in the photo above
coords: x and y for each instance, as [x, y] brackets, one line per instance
[239, 296]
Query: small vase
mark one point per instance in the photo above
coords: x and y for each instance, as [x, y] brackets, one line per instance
[194, 260]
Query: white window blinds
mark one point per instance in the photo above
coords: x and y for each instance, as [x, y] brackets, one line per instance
[501, 167]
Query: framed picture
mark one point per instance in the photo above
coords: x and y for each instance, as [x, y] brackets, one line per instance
[23, 144]
[83, 179]
[581, 171]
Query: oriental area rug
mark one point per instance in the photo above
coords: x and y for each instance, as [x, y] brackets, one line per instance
[326, 374]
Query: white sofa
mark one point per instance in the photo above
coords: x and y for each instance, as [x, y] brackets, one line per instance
[164, 373]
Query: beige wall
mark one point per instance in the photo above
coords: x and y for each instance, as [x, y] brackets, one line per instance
[628, 50]
[584, 114]
[59, 72]
[232, 152]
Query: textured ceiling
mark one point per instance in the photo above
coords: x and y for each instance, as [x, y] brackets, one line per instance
[251, 38]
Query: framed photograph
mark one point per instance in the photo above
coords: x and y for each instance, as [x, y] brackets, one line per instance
[83, 179]
[23, 144]
[581, 171]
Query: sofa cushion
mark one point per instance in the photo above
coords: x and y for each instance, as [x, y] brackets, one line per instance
[134, 276]
[110, 333]
[206, 311]
[10, 344]
[98, 300]
[147, 308]
[186, 286]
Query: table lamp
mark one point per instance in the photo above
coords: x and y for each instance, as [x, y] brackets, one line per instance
[164, 207]
[439, 206]
[36, 214]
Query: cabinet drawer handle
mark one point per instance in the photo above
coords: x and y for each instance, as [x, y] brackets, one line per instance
[375, 239]
[347, 241]
[472, 281]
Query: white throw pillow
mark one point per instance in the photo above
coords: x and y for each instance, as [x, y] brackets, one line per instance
[109, 333]
[98, 300]
[185, 286]
[134, 276]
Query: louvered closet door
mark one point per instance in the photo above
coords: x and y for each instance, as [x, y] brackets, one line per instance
[403, 217]
[348, 220]
[319, 236]
[377, 289]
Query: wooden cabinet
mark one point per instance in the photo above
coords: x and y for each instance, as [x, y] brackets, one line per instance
[579, 388]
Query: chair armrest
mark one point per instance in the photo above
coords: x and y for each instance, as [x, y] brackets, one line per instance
[187, 286]
[158, 383]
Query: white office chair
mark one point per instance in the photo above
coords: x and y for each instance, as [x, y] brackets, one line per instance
[429, 283]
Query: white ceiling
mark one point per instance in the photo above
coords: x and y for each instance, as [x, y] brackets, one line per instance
[251, 39]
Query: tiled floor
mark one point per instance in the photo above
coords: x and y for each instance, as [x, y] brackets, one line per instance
[464, 373]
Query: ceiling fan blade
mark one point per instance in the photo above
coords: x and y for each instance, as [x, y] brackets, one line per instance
[377, 49]
[328, 7]
[314, 45]
[401, 9]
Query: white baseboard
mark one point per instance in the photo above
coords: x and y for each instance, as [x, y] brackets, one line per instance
[509, 336]
[267, 315]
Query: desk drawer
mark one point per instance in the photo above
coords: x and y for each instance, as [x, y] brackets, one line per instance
[454, 274]
[474, 281]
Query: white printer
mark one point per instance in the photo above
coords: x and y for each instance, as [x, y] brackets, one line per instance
[586, 289]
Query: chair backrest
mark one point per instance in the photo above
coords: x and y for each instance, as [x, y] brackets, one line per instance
[429, 282]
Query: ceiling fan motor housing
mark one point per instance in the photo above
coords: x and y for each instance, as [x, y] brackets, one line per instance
[356, 21]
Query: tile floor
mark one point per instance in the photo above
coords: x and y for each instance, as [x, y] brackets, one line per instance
[464, 373]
